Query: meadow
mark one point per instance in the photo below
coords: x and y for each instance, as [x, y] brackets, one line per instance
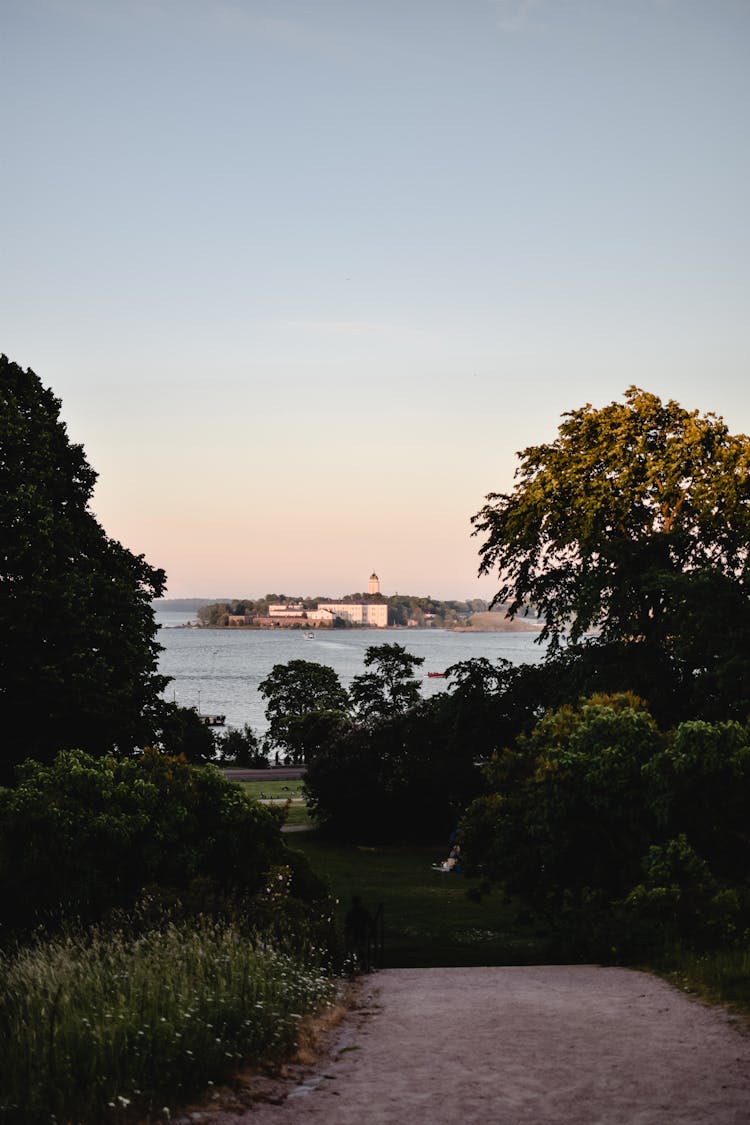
[96, 1027]
[430, 918]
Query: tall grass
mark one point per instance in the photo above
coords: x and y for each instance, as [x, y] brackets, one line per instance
[93, 1028]
[721, 975]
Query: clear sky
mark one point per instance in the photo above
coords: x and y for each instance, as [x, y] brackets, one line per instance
[307, 274]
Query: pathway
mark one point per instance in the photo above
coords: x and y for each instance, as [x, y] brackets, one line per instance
[543, 1045]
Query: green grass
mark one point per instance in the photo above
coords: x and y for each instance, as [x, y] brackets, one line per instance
[722, 976]
[91, 1027]
[273, 789]
[429, 921]
[297, 815]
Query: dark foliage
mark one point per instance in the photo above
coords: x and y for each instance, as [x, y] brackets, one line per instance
[78, 654]
[389, 687]
[84, 835]
[627, 838]
[240, 747]
[295, 693]
[400, 778]
[183, 732]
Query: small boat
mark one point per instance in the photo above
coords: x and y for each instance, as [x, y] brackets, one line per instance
[309, 636]
[213, 720]
[436, 675]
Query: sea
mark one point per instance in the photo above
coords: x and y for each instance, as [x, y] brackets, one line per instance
[218, 671]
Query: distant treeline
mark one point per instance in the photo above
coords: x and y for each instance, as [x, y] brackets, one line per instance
[402, 608]
[179, 605]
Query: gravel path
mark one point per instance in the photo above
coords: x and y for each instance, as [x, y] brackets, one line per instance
[520, 1046]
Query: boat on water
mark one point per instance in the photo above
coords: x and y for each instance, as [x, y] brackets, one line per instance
[213, 720]
[436, 675]
[309, 636]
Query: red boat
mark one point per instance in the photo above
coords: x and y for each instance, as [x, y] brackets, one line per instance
[435, 675]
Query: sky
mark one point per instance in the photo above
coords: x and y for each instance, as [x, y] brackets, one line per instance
[307, 275]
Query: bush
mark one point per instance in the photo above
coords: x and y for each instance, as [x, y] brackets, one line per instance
[627, 839]
[241, 747]
[681, 901]
[83, 835]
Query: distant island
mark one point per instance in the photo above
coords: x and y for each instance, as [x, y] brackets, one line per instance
[282, 611]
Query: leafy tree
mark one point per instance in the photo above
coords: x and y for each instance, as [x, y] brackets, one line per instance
[400, 777]
[183, 732]
[633, 523]
[680, 901]
[78, 658]
[699, 785]
[295, 692]
[489, 704]
[390, 688]
[83, 835]
[626, 837]
[566, 809]
[240, 747]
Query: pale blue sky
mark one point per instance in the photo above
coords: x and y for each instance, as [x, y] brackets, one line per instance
[306, 275]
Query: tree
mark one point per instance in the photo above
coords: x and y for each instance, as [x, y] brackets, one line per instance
[296, 692]
[78, 654]
[183, 732]
[625, 836]
[487, 705]
[566, 811]
[625, 523]
[399, 777]
[110, 829]
[240, 747]
[390, 689]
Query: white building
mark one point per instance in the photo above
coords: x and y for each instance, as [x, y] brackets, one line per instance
[320, 616]
[286, 609]
[360, 613]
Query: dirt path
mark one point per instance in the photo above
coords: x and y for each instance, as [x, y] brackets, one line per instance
[568, 1045]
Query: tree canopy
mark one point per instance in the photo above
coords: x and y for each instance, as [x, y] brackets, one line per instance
[625, 836]
[625, 524]
[81, 835]
[299, 694]
[78, 659]
[388, 689]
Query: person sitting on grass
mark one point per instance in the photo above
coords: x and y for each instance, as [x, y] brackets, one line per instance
[452, 863]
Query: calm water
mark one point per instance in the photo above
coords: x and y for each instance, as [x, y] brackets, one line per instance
[218, 670]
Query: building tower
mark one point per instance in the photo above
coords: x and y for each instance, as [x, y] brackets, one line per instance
[373, 586]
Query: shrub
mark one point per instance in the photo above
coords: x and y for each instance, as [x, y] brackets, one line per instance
[241, 747]
[83, 835]
[628, 839]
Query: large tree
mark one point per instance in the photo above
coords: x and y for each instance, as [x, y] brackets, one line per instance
[389, 687]
[634, 524]
[78, 649]
[303, 699]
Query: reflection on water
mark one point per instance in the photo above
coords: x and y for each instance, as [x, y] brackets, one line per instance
[218, 670]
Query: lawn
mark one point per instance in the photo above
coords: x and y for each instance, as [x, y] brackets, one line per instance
[428, 918]
[273, 789]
